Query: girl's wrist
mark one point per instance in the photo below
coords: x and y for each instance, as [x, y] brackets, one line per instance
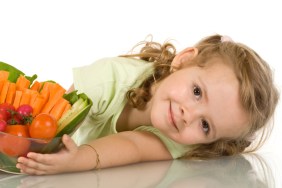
[96, 155]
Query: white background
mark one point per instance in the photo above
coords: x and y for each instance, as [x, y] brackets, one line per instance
[51, 37]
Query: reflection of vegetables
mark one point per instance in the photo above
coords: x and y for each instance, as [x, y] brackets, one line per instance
[3, 125]
[15, 145]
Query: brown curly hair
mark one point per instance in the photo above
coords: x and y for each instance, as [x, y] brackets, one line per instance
[258, 93]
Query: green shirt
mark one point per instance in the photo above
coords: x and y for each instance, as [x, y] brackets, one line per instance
[106, 82]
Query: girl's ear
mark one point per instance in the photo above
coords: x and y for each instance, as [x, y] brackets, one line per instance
[183, 57]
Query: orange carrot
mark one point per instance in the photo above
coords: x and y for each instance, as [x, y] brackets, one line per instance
[58, 108]
[35, 86]
[38, 104]
[33, 96]
[25, 97]
[4, 75]
[45, 93]
[67, 107]
[22, 83]
[4, 91]
[56, 93]
[47, 85]
[40, 100]
[11, 93]
[17, 99]
[1, 85]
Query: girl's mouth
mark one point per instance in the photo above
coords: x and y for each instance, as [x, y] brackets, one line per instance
[171, 117]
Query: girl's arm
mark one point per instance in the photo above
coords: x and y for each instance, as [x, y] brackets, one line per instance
[113, 150]
[70, 89]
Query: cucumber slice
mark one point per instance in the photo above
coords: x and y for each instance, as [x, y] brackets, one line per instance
[70, 121]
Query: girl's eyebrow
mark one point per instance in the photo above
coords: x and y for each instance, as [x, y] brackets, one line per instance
[206, 98]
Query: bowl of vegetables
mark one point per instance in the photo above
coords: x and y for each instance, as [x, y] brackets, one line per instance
[35, 115]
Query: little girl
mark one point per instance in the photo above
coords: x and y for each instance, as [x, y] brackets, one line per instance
[206, 101]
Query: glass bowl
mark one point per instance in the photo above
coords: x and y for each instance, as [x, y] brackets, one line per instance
[11, 147]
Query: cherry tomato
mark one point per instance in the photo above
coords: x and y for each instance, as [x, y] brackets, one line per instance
[18, 130]
[43, 126]
[15, 142]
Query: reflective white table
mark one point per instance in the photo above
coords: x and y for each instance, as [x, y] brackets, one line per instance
[244, 171]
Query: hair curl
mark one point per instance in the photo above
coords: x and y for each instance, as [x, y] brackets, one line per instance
[258, 94]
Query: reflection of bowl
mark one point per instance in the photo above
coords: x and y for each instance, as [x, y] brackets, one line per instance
[11, 147]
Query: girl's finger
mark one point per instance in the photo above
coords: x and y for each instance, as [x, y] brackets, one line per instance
[31, 167]
[69, 143]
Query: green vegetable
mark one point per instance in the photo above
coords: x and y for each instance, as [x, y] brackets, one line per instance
[15, 73]
[69, 122]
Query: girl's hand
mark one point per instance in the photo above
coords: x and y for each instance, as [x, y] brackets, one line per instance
[40, 164]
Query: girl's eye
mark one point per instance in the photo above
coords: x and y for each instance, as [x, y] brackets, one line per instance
[205, 126]
[197, 91]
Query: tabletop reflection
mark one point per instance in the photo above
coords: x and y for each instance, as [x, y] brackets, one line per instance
[250, 171]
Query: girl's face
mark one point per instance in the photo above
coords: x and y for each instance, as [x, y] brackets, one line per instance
[199, 105]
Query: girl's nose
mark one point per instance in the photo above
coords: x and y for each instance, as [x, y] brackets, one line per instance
[189, 115]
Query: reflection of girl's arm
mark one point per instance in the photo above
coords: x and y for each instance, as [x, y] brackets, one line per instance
[137, 175]
[222, 172]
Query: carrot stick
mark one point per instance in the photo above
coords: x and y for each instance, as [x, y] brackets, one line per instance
[4, 75]
[1, 85]
[38, 104]
[58, 108]
[17, 99]
[11, 93]
[45, 93]
[25, 97]
[4, 91]
[33, 97]
[47, 86]
[56, 93]
[22, 83]
[35, 86]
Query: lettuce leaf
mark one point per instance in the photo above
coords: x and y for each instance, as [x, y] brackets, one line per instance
[15, 73]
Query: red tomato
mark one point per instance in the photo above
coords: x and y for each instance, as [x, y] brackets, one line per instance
[15, 143]
[43, 126]
[18, 130]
